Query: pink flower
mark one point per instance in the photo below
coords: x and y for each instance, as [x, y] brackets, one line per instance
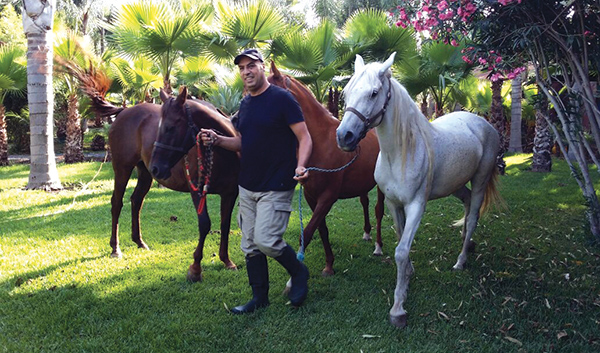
[511, 76]
[442, 5]
[466, 59]
[498, 59]
[495, 77]
[454, 43]
[482, 61]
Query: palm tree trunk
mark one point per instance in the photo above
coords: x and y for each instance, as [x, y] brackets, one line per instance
[3, 137]
[38, 17]
[74, 144]
[516, 114]
[542, 142]
[498, 121]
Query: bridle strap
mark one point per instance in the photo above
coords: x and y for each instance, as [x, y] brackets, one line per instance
[369, 121]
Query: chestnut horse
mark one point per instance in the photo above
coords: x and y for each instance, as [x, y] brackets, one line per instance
[323, 189]
[131, 140]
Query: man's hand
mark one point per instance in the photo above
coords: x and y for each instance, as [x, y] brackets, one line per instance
[301, 175]
[209, 137]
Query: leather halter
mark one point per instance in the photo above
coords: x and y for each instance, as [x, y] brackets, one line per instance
[192, 128]
[370, 122]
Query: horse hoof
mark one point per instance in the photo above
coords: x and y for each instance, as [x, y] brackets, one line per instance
[367, 236]
[230, 266]
[327, 272]
[377, 251]
[194, 273]
[144, 246]
[398, 321]
[458, 267]
[117, 254]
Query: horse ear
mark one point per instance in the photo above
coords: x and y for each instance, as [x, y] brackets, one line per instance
[163, 96]
[359, 63]
[387, 64]
[182, 95]
[274, 70]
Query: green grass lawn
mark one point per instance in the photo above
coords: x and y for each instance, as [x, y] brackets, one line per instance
[532, 284]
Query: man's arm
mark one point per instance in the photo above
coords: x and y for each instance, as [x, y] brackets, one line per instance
[229, 143]
[304, 149]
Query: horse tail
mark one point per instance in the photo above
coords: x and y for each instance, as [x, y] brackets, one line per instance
[94, 83]
[491, 197]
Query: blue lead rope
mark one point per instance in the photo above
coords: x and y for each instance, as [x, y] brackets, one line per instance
[300, 255]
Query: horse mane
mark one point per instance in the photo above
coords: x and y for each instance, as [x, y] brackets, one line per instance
[305, 91]
[94, 83]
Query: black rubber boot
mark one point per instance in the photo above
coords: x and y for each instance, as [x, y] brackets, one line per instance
[299, 274]
[258, 276]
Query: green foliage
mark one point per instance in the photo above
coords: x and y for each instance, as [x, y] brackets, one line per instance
[531, 285]
[11, 27]
[13, 72]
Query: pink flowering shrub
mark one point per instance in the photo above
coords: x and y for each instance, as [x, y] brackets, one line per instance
[451, 21]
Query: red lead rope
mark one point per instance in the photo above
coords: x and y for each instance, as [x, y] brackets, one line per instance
[204, 170]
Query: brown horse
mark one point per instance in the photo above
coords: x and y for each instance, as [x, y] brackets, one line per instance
[131, 140]
[323, 189]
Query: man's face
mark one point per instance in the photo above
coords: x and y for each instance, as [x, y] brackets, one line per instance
[252, 73]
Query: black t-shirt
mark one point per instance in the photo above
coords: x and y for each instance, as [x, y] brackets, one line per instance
[268, 143]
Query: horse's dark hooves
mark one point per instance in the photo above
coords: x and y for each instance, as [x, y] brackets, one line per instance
[194, 274]
[398, 321]
[144, 246]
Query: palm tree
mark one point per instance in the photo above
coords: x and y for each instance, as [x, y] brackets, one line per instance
[163, 32]
[245, 24]
[437, 72]
[311, 56]
[67, 48]
[516, 115]
[13, 79]
[37, 23]
[137, 79]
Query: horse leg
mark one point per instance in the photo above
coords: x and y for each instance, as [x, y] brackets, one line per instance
[321, 208]
[116, 205]
[471, 218]
[464, 195]
[137, 201]
[195, 270]
[227, 204]
[364, 201]
[413, 213]
[379, 216]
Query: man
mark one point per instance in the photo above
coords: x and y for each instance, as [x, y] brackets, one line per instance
[271, 127]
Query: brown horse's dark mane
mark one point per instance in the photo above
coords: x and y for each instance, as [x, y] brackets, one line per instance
[305, 91]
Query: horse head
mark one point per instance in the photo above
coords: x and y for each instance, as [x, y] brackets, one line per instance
[176, 134]
[367, 96]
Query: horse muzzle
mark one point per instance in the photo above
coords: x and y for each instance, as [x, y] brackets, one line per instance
[347, 140]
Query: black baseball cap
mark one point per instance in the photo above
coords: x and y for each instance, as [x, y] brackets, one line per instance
[250, 53]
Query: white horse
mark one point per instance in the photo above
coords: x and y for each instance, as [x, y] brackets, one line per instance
[419, 160]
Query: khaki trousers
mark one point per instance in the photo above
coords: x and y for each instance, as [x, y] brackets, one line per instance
[263, 218]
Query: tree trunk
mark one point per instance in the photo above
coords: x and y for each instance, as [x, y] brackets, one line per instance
[3, 137]
[37, 22]
[516, 114]
[333, 101]
[542, 142]
[498, 121]
[74, 143]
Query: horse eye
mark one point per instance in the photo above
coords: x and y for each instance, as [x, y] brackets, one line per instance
[374, 93]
